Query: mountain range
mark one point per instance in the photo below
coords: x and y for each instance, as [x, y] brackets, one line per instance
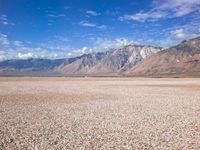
[130, 60]
[180, 60]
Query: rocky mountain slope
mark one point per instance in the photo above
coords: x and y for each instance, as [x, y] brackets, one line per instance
[182, 60]
[108, 63]
[131, 60]
[105, 63]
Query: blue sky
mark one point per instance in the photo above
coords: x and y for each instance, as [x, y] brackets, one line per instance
[67, 28]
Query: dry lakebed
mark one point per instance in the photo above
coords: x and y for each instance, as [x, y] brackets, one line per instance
[46, 113]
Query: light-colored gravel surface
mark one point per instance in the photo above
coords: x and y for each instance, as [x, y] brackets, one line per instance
[99, 113]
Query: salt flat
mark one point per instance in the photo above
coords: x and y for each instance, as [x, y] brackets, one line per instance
[99, 113]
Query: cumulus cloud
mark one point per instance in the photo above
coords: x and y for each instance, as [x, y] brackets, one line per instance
[25, 55]
[103, 44]
[69, 54]
[21, 50]
[81, 51]
[165, 9]
[179, 33]
[100, 45]
[92, 13]
[28, 52]
[38, 54]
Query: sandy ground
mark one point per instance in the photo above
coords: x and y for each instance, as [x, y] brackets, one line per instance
[99, 113]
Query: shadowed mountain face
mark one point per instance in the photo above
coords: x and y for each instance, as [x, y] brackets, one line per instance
[130, 60]
[182, 60]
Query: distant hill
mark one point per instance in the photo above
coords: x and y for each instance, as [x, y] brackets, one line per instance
[32, 67]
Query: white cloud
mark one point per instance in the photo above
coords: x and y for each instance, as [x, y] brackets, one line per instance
[173, 36]
[4, 40]
[81, 51]
[56, 15]
[143, 16]
[69, 54]
[61, 38]
[166, 9]
[4, 19]
[18, 43]
[102, 27]
[179, 33]
[87, 24]
[25, 55]
[2, 57]
[100, 45]
[167, 41]
[178, 7]
[123, 42]
[94, 25]
[92, 13]
[103, 44]
[20, 50]
[56, 43]
[5, 22]
[27, 52]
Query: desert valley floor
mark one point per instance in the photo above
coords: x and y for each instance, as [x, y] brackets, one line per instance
[99, 113]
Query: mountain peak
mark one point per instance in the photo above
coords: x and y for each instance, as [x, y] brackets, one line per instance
[132, 59]
[182, 59]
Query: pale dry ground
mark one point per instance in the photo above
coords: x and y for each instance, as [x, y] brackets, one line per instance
[99, 113]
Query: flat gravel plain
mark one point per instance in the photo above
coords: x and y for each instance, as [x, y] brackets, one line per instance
[99, 113]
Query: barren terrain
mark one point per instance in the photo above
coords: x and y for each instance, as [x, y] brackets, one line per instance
[99, 113]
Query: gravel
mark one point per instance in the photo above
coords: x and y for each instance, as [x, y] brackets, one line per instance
[99, 113]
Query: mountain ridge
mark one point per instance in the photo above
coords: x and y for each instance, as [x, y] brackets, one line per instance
[129, 60]
[182, 60]
[112, 62]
